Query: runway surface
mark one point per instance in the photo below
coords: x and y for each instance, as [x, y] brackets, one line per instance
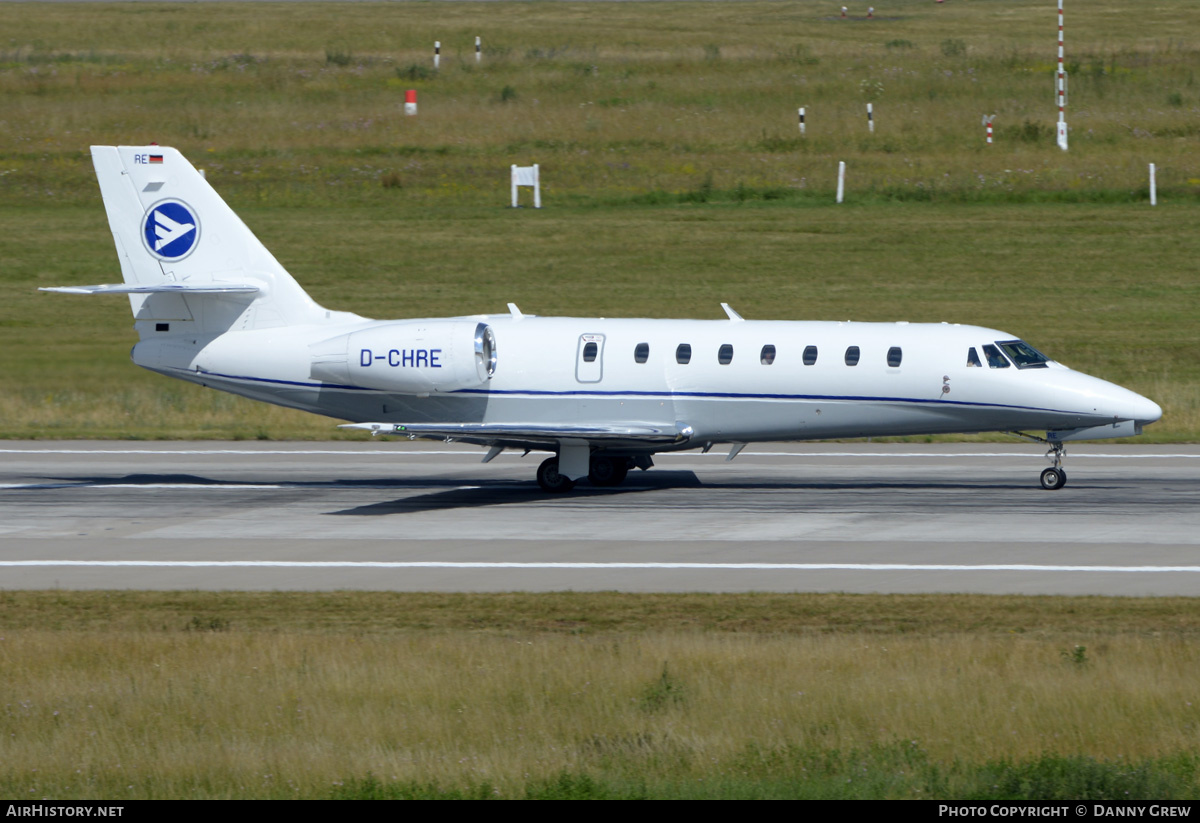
[426, 517]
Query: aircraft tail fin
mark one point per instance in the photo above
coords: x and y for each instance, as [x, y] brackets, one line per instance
[186, 258]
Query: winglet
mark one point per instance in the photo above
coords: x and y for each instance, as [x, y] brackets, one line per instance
[732, 314]
[514, 311]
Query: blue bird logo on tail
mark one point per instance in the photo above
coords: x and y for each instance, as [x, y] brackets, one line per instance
[170, 230]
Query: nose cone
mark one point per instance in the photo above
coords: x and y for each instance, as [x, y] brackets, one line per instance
[1144, 410]
[1123, 404]
[1098, 398]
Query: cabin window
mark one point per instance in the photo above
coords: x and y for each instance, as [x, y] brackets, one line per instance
[973, 358]
[994, 357]
[810, 355]
[589, 352]
[641, 353]
[894, 356]
[1024, 355]
[767, 355]
[683, 354]
[725, 354]
[852, 355]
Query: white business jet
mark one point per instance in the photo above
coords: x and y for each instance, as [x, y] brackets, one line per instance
[212, 306]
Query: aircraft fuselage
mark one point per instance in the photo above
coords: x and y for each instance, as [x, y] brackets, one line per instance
[729, 381]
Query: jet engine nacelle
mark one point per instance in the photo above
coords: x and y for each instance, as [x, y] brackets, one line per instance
[409, 357]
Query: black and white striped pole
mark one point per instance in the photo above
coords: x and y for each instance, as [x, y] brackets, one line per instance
[1062, 85]
[801, 110]
[437, 54]
[478, 49]
[870, 119]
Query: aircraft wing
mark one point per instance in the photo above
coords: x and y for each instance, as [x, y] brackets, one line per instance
[148, 288]
[532, 435]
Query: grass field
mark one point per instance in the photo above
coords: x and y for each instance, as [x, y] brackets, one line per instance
[675, 175]
[122, 695]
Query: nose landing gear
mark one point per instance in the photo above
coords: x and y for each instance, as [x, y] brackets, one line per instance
[1055, 477]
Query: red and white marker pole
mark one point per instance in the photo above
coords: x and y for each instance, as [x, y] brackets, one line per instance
[1062, 85]
[987, 121]
[870, 119]
[801, 119]
[410, 101]
[437, 54]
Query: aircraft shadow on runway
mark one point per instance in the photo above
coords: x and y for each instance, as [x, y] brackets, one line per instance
[508, 492]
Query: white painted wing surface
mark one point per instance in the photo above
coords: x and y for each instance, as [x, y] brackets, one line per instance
[136, 288]
[532, 433]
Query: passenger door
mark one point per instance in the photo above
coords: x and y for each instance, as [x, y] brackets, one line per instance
[589, 358]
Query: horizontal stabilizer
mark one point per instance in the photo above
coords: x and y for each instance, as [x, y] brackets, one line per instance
[153, 288]
[532, 433]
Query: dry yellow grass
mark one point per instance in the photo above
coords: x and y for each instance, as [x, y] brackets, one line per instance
[192, 694]
[201, 713]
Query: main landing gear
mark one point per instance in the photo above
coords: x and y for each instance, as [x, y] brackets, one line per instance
[602, 471]
[608, 471]
[550, 480]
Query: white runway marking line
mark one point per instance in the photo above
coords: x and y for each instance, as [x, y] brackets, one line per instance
[278, 452]
[219, 486]
[440, 564]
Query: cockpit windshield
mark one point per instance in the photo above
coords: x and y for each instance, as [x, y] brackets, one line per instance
[1023, 355]
[995, 359]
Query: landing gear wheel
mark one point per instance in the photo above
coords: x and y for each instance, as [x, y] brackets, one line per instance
[1056, 477]
[549, 478]
[1053, 479]
[608, 471]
